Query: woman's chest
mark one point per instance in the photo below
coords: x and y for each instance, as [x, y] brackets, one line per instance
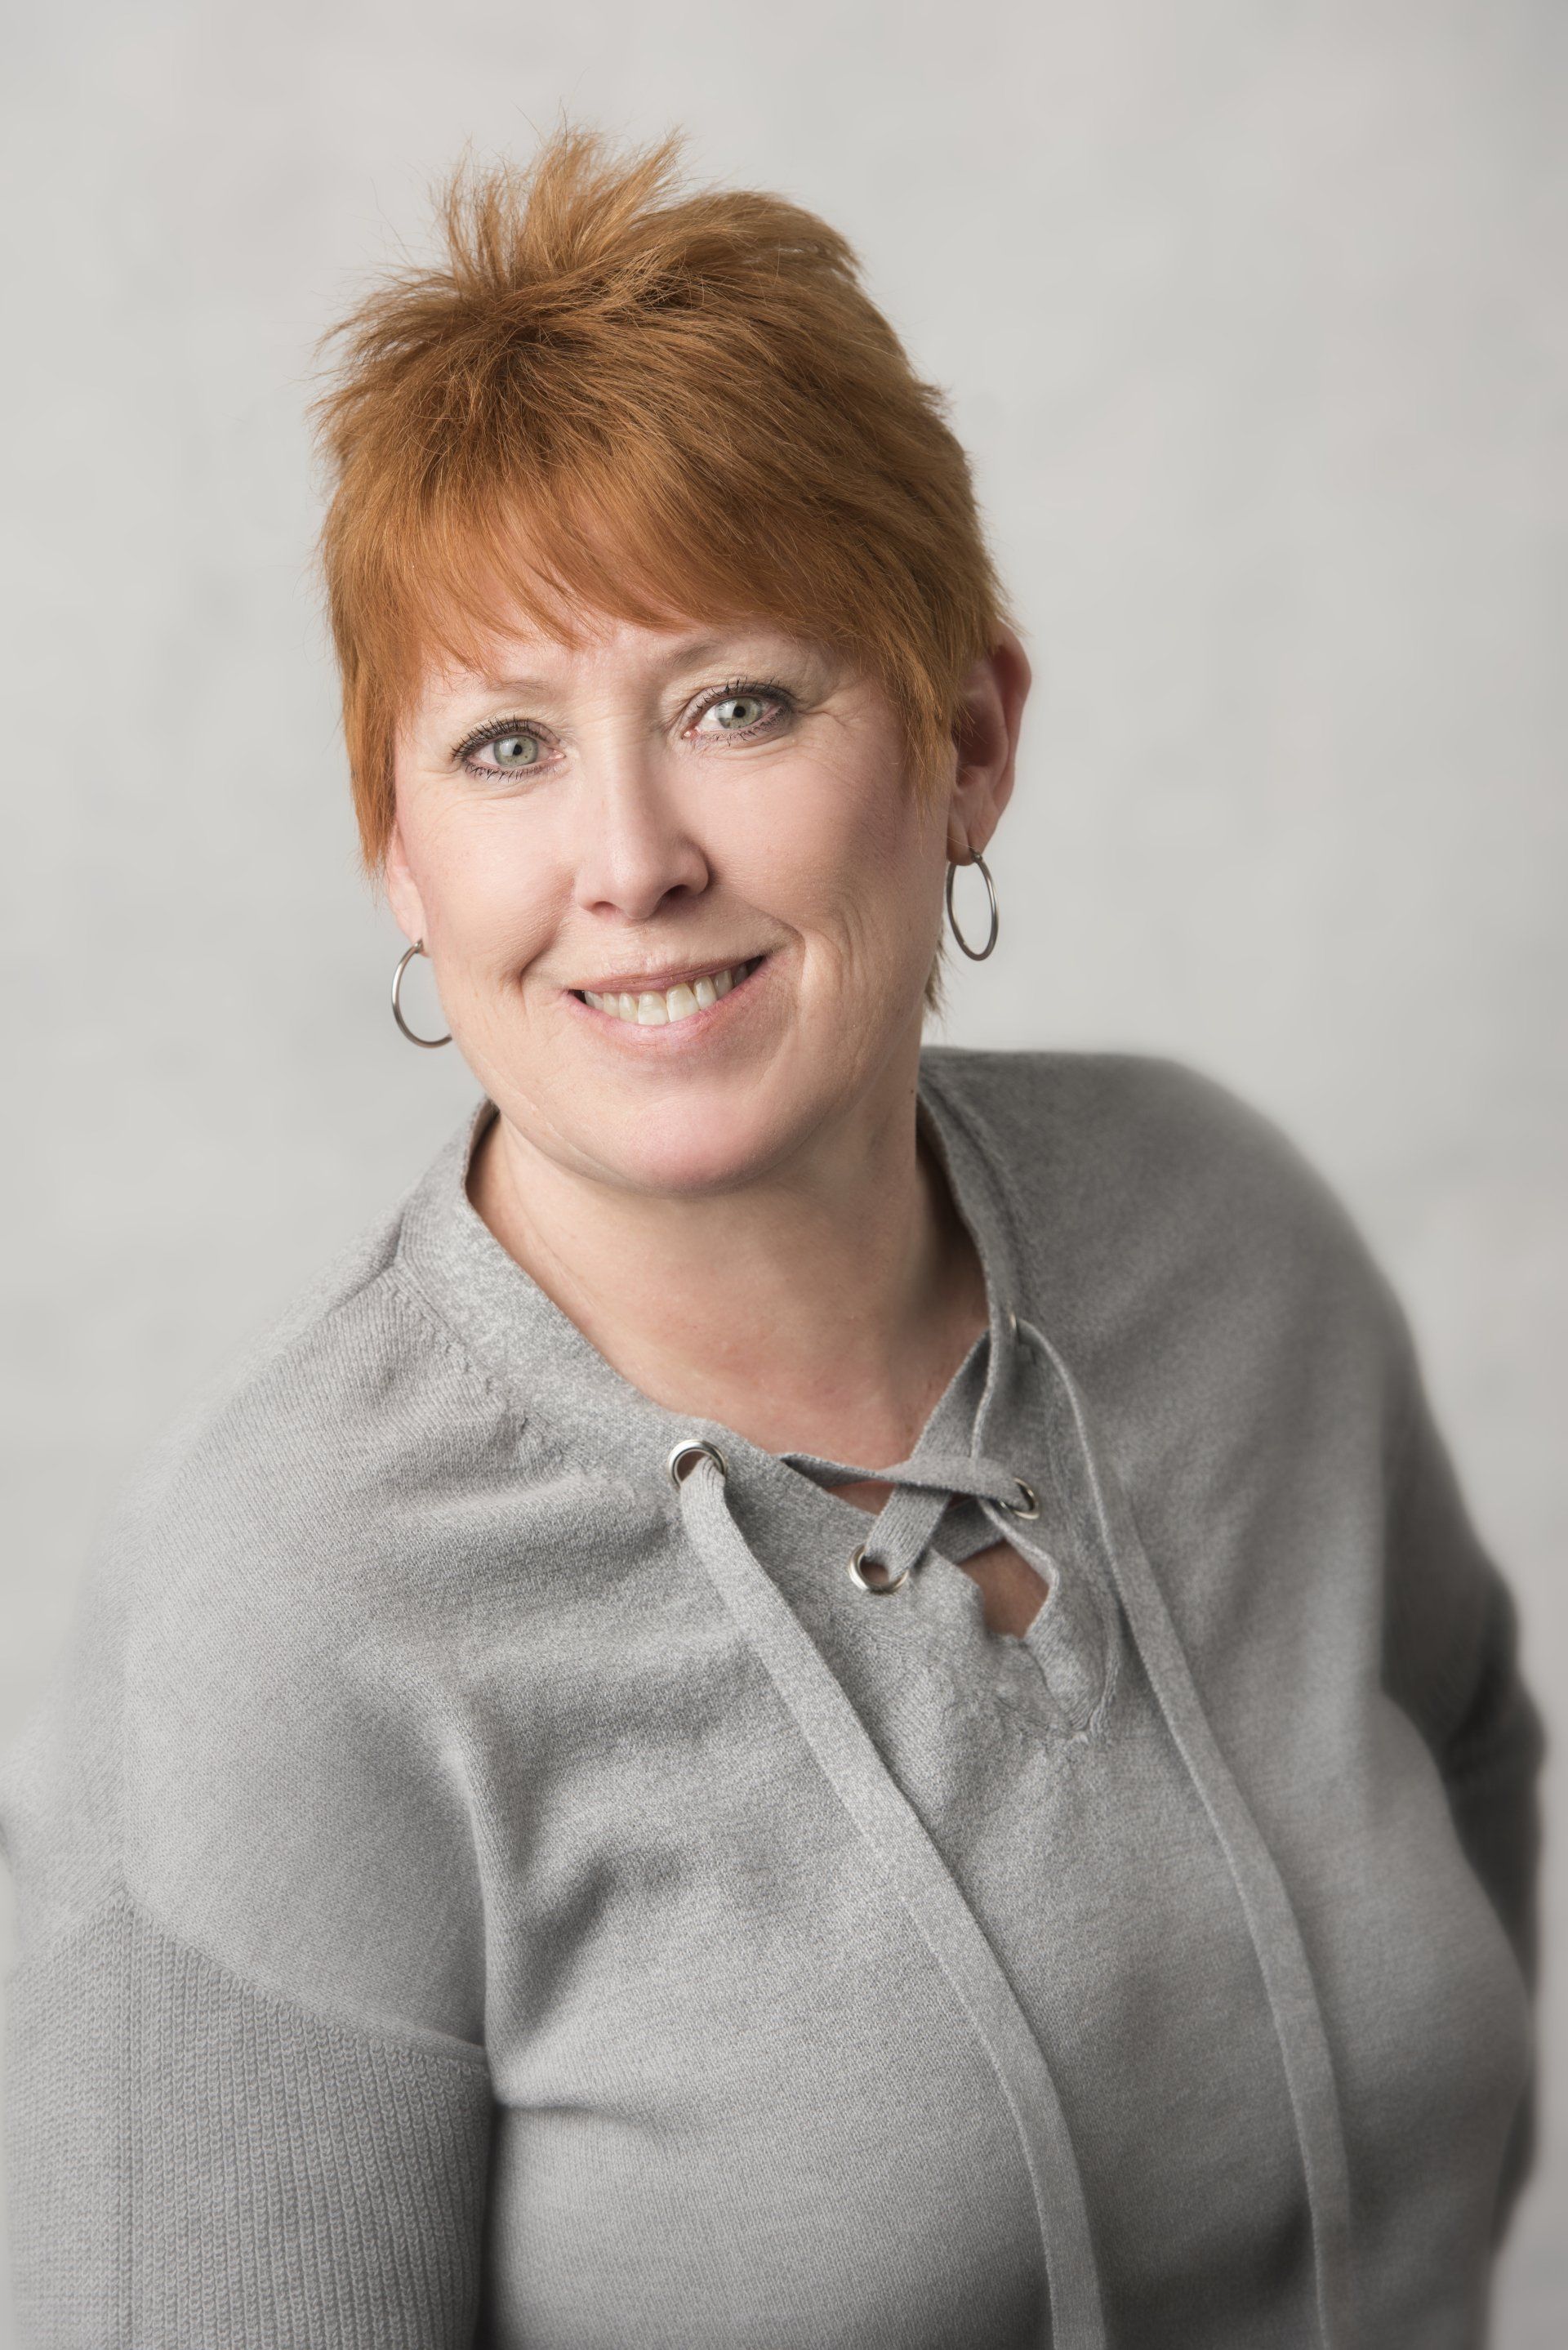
[736, 2077]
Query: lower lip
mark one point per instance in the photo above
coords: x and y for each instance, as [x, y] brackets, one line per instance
[673, 1035]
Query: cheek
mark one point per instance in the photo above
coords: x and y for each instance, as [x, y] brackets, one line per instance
[492, 905]
[853, 854]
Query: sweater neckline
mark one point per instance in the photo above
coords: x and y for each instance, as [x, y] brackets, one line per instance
[521, 1340]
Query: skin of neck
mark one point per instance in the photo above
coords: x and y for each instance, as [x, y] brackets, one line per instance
[821, 1306]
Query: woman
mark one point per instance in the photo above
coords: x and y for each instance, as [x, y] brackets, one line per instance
[828, 1693]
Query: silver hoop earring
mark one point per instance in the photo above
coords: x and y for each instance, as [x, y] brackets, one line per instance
[975, 955]
[403, 962]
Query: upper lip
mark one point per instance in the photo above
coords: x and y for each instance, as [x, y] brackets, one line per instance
[654, 983]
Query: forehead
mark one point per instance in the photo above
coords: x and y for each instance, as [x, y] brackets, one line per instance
[522, 657]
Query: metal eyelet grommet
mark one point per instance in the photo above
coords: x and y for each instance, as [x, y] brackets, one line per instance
[878, 1590]
[1029, 1507]
[690, 1449]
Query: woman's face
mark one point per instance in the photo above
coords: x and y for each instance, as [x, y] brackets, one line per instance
[679, 899]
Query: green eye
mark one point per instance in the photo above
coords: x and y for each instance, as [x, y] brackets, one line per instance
[515, 750]
[738, 710]
[742, 708]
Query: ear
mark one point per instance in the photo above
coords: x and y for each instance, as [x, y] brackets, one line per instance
[985, 735]
[402, 891]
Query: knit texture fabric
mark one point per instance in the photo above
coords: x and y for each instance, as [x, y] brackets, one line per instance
[281, 2178]
[475, 1889]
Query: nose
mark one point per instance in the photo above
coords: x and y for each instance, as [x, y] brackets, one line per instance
[635, 850]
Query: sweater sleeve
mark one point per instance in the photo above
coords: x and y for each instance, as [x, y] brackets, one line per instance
[193, 2161]
[1452, 1662]
[247, 2099]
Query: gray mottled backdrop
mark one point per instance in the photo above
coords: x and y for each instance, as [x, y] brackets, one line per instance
[1253, 317]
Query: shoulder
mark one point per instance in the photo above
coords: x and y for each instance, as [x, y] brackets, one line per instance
[231, 1713]
[285, 1469]
[265, 1555]
[1139, 1113]
[1145, 1189]
[1124, 1127]
[262, 1580]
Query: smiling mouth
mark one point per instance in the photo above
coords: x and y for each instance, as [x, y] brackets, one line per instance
[662, 1008]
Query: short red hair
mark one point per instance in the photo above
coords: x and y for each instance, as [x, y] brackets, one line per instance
[659, 407]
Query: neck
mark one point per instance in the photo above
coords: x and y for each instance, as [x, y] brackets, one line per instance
[821, 1308]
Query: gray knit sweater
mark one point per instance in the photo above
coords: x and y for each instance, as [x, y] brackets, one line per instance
[476, 1888]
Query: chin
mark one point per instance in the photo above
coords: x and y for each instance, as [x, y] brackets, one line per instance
[691, 1144]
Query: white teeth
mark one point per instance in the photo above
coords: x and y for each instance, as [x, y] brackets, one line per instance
[653, 1010]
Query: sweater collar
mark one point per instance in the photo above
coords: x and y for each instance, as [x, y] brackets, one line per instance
[519, 1337]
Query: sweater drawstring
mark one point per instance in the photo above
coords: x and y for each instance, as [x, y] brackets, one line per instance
[923, 1487]
[1276, 1935]
[892, 1828]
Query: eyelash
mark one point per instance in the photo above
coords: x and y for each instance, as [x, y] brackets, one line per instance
[498, 731]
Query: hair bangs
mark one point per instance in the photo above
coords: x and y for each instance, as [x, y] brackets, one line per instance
[608, 399]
